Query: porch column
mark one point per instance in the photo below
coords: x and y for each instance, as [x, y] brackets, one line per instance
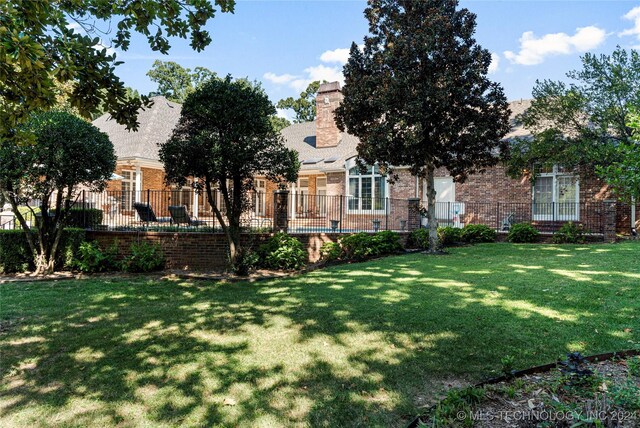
[195, 204]
[293, 200]
[138, 183]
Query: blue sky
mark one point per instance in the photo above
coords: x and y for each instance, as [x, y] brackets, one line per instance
[286, 44]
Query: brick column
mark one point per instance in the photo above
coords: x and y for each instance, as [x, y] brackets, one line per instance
[280, 210]
[609, 220]
[415, 218]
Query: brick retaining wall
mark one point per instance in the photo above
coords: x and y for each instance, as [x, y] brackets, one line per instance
[203, 251]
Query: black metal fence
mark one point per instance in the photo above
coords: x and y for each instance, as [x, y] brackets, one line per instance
[183, 209]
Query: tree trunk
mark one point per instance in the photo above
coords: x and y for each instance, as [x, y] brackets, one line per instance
[434, 245]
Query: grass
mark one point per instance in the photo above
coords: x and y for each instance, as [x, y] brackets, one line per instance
[367, 344]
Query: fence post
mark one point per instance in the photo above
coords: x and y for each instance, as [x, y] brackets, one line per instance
[341, 208]
[386, 213]
[280, 210]
[415, 219]
[609, 220]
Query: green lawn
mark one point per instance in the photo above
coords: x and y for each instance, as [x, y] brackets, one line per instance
[366, 344]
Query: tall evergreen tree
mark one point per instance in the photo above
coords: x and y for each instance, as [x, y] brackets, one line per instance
[418, 94]
[304, 106]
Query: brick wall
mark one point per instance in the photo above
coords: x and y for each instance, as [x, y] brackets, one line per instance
[204, 251]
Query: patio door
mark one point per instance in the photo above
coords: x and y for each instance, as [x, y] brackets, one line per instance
[445, 196]
[302, 197]
[321, 195]
[260, 190]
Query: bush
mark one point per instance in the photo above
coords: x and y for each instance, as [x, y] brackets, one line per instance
[523, 233]
[283, 252]
[144, 257]
[362, 245]
[419, 238]
[246, 261]
[570, 233]
[477, 233]
[91, 258]
[330, 251]
[15, 254]
[83, 218]
[449, 235]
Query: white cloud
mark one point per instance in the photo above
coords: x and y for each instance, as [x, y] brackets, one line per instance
[534, 50]
[279, 79]
[632, 15]
[340, 56]
[100, 46]
[495, 63]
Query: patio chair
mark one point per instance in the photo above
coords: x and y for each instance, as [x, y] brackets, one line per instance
[146, 214]
[179, 215]
[508, 221]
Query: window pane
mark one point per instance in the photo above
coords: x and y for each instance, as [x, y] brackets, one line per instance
[366, 193]
[354, 171]
[567, 199]
[354, 192]
[543, 196]
[380, 193]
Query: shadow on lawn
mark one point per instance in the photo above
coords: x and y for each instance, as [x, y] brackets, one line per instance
[365, 344]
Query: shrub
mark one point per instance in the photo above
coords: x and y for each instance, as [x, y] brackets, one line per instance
[91, 258]
[362, 245]
[144, 257]
[282, 251]
[477, 233]
[15, 254]
[330, 251]
[570, 233]
[246, 261]
[87, 218]
[523, 233]
[419, 238]
[449, 235]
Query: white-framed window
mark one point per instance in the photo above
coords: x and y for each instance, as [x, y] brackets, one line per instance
[128, 187]
[259, 196]
[556, 195]
[368, 190]
[302, 195]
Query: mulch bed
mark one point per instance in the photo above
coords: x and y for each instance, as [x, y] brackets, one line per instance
[597, 392]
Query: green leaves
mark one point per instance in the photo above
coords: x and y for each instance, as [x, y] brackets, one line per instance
[305, 106]
[418, 94]
[582, 125]
[38, 51]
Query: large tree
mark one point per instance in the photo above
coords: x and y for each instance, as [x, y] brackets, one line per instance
[623, 173]
[67, 152]
[304, 106]
[175, 82]
[224, 138]
[39, 47]
[581, 124]
[418, 95]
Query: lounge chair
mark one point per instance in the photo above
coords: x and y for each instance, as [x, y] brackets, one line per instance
[179, 215]
[146, 214]
[508, 221]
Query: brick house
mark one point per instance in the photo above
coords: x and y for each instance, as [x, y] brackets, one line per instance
[330, 186]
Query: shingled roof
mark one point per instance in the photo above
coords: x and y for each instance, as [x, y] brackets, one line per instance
[156, 125]
[301, 137]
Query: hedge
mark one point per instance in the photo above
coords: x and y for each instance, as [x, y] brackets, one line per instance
[15, 255]
[85, 218]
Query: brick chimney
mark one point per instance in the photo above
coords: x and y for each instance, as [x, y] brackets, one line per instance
[329, 97]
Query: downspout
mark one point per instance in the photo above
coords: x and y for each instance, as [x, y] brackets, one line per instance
[634, 232]
[417, 187]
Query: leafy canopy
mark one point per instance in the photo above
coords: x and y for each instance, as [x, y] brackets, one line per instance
[224, 138]
[583, 123]
[304, 106]
[67, 152]
[624, 173]
[39, 48]
[176, 82]
[418, 95]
